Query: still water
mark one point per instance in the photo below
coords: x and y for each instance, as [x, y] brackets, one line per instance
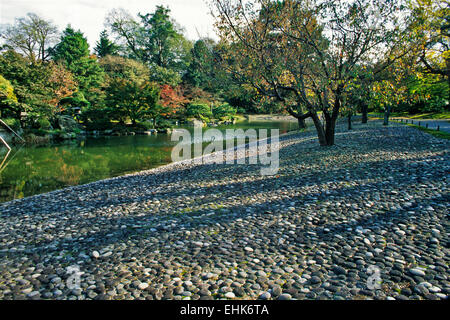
[33, 170]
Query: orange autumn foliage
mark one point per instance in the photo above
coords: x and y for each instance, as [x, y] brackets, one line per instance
[62, 83]
[172, 99]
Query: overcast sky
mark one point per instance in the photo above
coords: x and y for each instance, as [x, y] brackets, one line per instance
[89, 15]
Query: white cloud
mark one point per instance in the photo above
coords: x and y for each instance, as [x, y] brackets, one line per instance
[89, 16]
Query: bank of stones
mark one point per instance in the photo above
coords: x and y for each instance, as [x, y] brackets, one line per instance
[378, 199]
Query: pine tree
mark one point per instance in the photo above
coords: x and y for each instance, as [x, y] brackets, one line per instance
[105, 47]
[72, 47]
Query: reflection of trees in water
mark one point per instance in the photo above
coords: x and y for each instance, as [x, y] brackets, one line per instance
[70, 174]
[3, 162]
[45, 169]
[41, 169]
[8, 191]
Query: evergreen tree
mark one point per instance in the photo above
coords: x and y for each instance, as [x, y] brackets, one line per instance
[72, 47]
[104, 46]
[201, 68]
[156, 41]
[73, 50]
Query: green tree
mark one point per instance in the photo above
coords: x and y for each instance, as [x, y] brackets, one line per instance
[119, 72]
[76, 101]
[358, 93]
[200, 71]
[198, 110]
[72, 47]
[73, 51]
[31, 84]
[432, 37]
[155, 40]
[124, 68]
[304, 52]
[88, 73]
[162, 42]
[8, 100]
[128, 99]
[224, 111]
[105, 47]
[429, 93]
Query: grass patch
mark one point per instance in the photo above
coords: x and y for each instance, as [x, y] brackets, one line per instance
[431, 115]
[441, 115]
[435, 133]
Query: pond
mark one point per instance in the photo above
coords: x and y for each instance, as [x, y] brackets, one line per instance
[33, 170]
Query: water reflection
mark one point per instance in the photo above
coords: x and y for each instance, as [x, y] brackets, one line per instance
[32, 170]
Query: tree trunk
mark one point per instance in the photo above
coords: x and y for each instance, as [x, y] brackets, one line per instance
[349, 121]
[447, 63]
[330, 125]
[301, 123]
[387, 112]
[301, 118]
[319, 129]
[330, 121]
[365, 109]
[326, 135]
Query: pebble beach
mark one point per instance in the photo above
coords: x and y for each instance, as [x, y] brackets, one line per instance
[364, 219]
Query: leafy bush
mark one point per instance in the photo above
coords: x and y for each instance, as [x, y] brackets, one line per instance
[38, 132]
[164, 124]
[76, 101]
[98, 124]
[224, 111]
[12, 123]
[165, 76]
[241, 111]
[198, 110]
[44, 124]
[144, 125]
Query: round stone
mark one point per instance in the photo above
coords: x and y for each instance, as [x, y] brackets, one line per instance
[417, 272]
[276, 291]
[230, 295]
[265, 296]
[143, 285]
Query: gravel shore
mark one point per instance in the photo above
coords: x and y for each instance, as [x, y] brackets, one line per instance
[365, 219]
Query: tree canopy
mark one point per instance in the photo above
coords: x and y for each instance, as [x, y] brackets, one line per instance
[30, 35]
[156, 40]
[313, 59]
[104, 46]
[304, 52]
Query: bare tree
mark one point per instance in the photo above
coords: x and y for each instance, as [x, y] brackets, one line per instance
[30, 35]
[127, 30]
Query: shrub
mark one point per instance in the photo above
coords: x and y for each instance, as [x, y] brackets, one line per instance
[98, 124]
[164, 124]
[224, 111]
[144, 125]
[241, 111]
[12, 123]
[44, 124]
[198, 110]
[76, 101]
